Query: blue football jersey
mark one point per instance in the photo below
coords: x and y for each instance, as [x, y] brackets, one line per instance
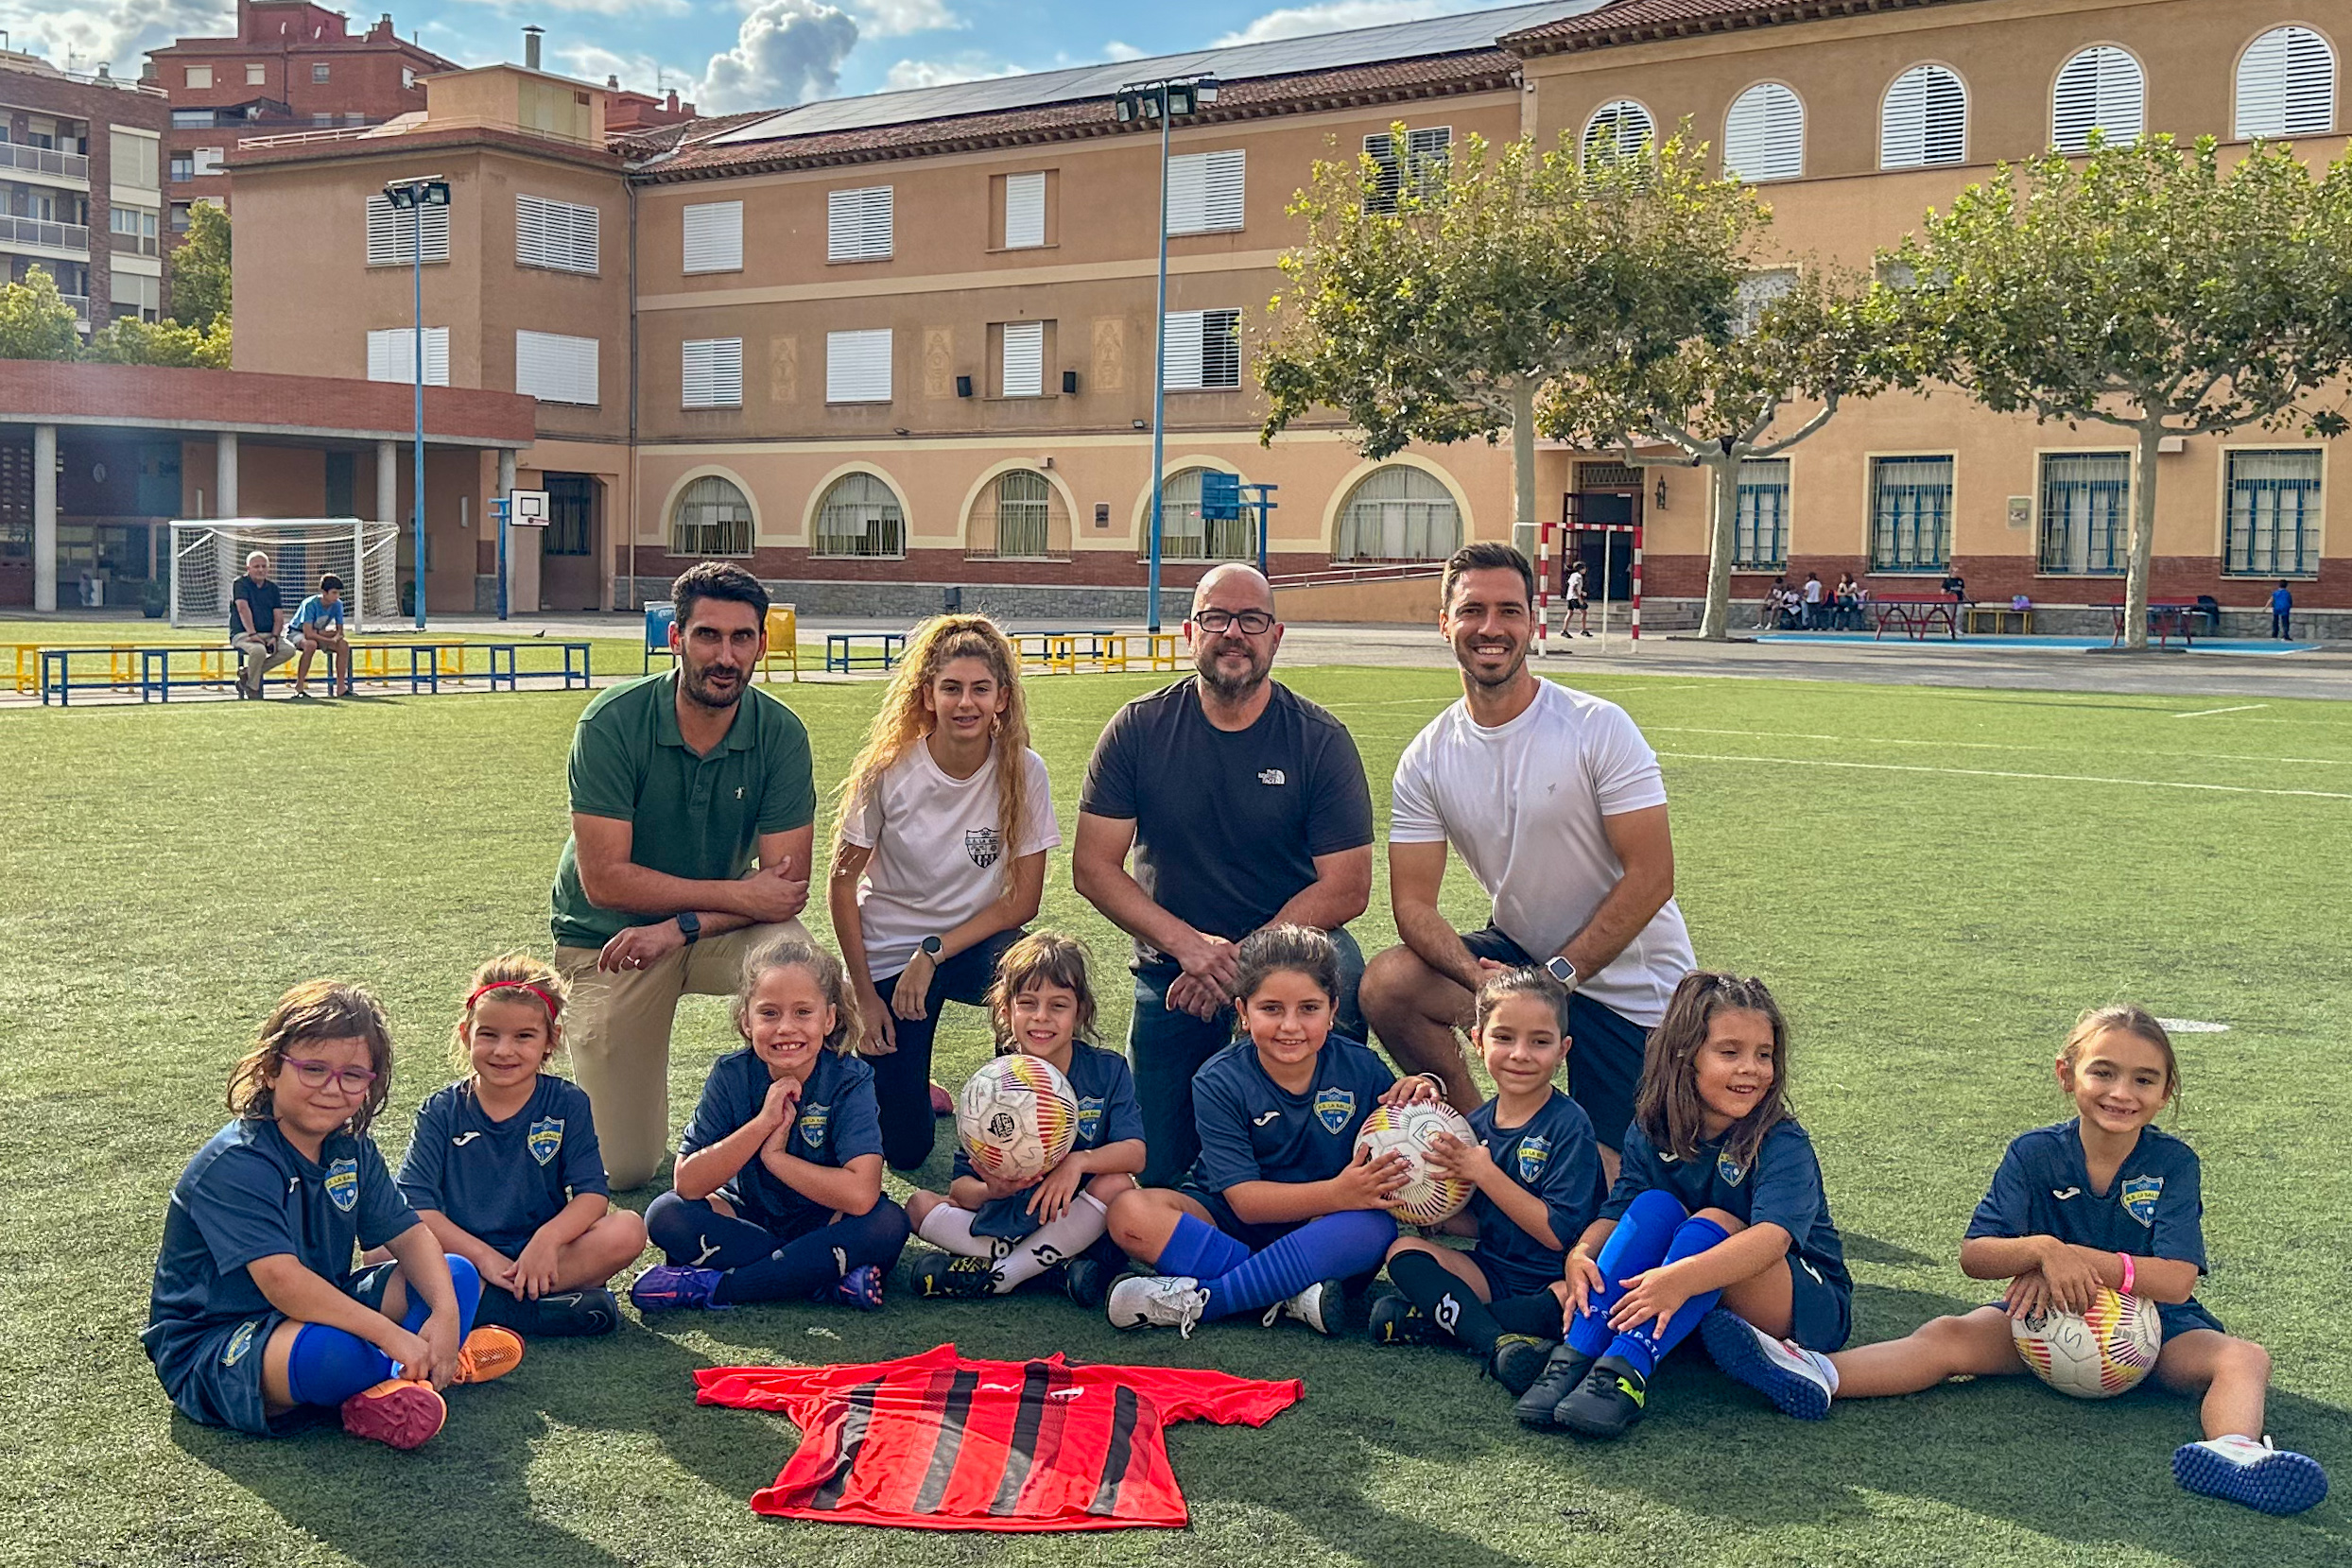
[1783, 1188]
[1552, 1155]
[1107, 1114]
[838, 1121]
[1253, 1129]
[502, 1181]
[2154, 1209]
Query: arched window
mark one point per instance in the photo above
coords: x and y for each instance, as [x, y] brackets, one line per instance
[1186, 535]
[1020, 517]
[1618, 130]
[1764, 135]
[859, 516]
[2287, 85]
[2101, 89]
[712, 518]
[1924, 120]
[1398, 512]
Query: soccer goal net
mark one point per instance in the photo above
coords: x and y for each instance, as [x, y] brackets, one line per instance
[208, 556]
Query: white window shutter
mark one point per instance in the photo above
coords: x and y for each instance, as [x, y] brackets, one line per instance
[391, 353]
[555, 369]
[711, 372]
[1025, 359]
[1025, 210]
[1625, 126]
[714, 237]
[857, 224]
[857, 366]
[2101, 89]
[561, 235]
[2287, 85]
[1226, 171]
[1180, 332]
[1220, 348]
[392, 236]
[1764, 135]
[1204, 191]
[1924, 120]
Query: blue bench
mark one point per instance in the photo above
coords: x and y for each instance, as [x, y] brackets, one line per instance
[842, 654]
[193, 666]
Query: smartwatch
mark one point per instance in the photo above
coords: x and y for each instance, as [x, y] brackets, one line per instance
[690, 925]
[1562, 971]
[930, 947]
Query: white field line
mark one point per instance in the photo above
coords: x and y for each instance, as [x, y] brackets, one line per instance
[1978, 745]
[1995, 773]
[2208, 713]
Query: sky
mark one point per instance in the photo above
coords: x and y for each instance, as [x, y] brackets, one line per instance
[747, 54]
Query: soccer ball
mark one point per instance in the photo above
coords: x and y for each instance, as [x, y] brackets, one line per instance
[2097, 1354]
[1411, 1130]
[1017, 1117]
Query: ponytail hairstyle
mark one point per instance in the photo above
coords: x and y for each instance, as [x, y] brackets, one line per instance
[311, 1011]
[794, 951]
[516, 976]
[904, 720]
[1040, 959]
[1287, 949]
[1666, 1107]
[1534, 981]
[2125, 1018]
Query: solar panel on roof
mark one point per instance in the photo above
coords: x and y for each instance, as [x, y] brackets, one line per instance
[1280, 57]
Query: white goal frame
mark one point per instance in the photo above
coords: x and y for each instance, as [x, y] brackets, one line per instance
[373, 548]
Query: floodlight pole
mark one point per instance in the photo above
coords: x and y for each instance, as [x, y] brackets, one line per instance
[417, 195]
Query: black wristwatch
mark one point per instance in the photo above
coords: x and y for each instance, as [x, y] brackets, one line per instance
[690, 925]
[931, 948]
[1562, 971]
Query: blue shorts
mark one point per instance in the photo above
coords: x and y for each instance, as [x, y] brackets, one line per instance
[1255, 1237]
[1821, 1316]
[1605, 1050]
[214, 1378]
[2172, 1319]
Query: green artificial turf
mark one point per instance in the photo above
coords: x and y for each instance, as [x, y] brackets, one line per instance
[1933, 881]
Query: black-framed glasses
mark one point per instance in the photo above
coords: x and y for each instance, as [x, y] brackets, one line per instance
[1251, 623]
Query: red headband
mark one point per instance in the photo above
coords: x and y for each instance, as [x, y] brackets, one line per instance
[553, 1007]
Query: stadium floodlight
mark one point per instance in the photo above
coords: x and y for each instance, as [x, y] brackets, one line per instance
[414, 195]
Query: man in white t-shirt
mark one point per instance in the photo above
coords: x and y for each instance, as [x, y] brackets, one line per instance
[1554, 801]
[1579, 609]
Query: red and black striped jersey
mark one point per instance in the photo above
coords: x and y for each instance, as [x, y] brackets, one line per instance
[934, 1441]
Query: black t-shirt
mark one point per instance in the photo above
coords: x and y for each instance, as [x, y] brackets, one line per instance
[263, 598]
[1227, 824]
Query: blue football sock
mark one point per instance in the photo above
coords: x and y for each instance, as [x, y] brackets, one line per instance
[329, 1365]
[1643, 1233]
[1199, 1250]
[693, 1235]
[468, 1281]
[1334, 1247]
[1640, 1348]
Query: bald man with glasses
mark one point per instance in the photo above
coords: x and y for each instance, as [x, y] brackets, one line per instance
[1242, 805]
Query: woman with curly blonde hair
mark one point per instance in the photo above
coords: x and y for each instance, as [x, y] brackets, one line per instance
[939, 855]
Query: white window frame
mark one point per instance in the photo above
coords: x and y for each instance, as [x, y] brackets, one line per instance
[709, 372]
[1764, 135]
[392, 233]
[1616, 116]
[1189, 334]
[1025, 210]
[1022, 371]
[1903, 144]
[2102, 88]
[207, 161]
[858, 366]
[1426, 151]
[556, 368]
[391, 355]
[2285, 85]
[200, 76]
[557, 236]
[1205, 190]
[711, 237]
[859, 224]
[257, 73]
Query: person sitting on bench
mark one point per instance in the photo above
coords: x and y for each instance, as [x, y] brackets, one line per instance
[257, 626]
[318, 624]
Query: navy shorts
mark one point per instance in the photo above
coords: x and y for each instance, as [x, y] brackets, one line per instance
[1821, 1316]
[2172, 1319]
[214, 1380]
[1605, 1050]
[1255, 1237]
[1504, 1283]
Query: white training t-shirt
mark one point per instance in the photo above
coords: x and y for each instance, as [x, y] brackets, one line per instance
[1522, 804]
[1576, 583]
[937, 846]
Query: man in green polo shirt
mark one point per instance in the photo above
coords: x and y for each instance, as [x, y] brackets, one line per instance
[680, 781]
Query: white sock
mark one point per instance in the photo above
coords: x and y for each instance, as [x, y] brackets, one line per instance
[1080, 1226]
[949, 1229]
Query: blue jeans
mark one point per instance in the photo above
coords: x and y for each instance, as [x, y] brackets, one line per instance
[1164, 1049]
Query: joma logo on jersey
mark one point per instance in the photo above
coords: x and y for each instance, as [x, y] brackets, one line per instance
[544, 1138]
[812, 1124]
[1335, 1107]
[1089, 1119]
[343, 1184]
[1534, 1154]
[2139, 1196]
[983, 845]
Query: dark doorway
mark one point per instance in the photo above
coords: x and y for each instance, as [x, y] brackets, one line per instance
[567, 548]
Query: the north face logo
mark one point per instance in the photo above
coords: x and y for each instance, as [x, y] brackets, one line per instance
[1272, 776]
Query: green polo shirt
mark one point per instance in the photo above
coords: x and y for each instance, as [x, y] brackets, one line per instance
[698, 818]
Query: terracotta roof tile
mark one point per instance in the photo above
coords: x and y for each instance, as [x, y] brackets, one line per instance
[1643, 20]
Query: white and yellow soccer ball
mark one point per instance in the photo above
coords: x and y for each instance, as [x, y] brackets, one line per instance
[1431, 1195]
[2096, 1354]
[1017, 1117]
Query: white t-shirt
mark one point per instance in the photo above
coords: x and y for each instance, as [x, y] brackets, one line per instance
[1522, 804]
[1813, 589]
[1576, 584]
[937, 846]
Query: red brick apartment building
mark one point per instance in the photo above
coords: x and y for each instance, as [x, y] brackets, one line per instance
[80, 186]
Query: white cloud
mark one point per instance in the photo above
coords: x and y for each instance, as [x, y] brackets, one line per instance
[1338, 16]
[1115, 50]
[81, 35]
[898, 18]
[785, 52]
[938, 73]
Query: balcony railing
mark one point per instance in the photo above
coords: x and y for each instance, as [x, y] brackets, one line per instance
[54, 236]
[70, 166]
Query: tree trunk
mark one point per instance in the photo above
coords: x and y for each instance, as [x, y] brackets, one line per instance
[1724, 506]
[1523, 466]
[2143, 538]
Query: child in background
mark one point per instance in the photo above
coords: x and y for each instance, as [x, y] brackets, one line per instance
[256, 1308]
[2104, 1198]
[1279, 1211]
[318, 624]
[1538, 1172]
[504, 1166]
[1719, 1201]
[778, 1190]
[996, 1235]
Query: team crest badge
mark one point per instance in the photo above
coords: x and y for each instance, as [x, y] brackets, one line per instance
[1534, 1154]
[2139, 1196]
[1335, 1107]
[812, 1124]
[1731, 1170]
[983, 845]
[1089, 1119]
[239, 1343]
[343, 1184]
[546, 1137]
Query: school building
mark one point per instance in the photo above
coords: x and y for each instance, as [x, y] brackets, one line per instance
[881, 347]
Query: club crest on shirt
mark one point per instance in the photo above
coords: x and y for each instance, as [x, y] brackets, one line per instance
[2139, 1194]
[1534, 1154]
[544, 1138]
[1335, 1107]
[239, 1343]
[343, 1184]
[1089, 1118]
[812, 1124]
[983, 845]
[1731, 1170]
